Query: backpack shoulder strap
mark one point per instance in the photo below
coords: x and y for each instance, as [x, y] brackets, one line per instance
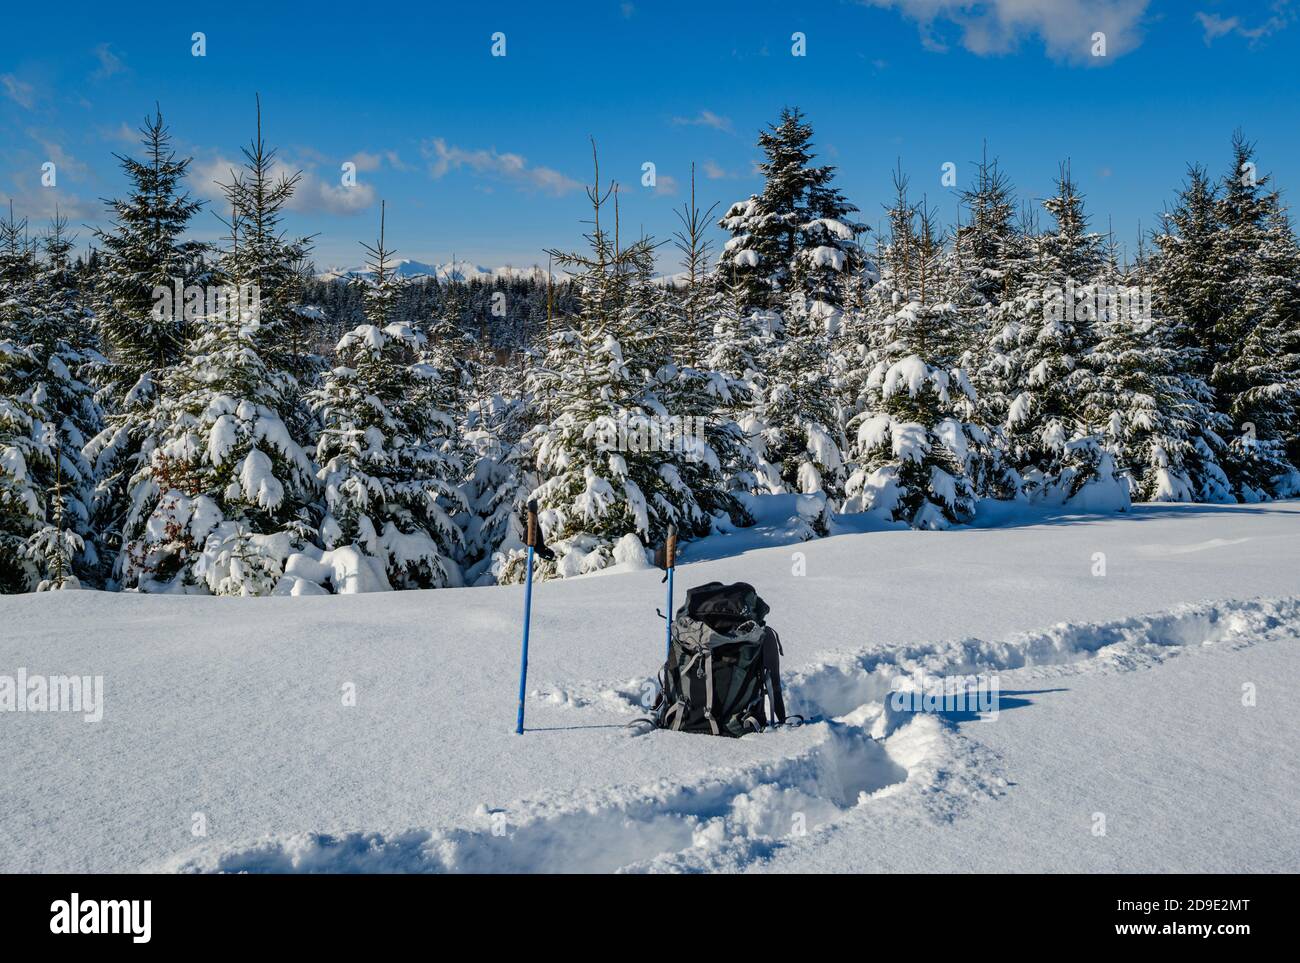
[772, 668]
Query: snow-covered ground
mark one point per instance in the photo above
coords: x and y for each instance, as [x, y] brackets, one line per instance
[1121, 700]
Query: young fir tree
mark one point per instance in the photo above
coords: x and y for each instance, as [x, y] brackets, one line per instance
[684, 334]
[987, 246]
[17, 258]
[1139, 383]
[829, 255]
[145, 251]
[59, 339]
[1046, 327]
[692, 405]
[795, 431]
[229, 490]
[143, 254]
[1185, 277]
[502, 477]
[24, 448]
[1255, 263]
[49, 409]
[987, 258]
[912, 442]
[452, 357]
[737, 340]
[792, 252]
[613, 468]
[735, 358]
[27, 457]
[795, 240]
[1265, 368]
[690, 319]
[390, 488]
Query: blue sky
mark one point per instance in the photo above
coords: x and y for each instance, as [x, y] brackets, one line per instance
[485, 156]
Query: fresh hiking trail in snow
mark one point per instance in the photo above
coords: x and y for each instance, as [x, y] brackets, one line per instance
[1121, 695]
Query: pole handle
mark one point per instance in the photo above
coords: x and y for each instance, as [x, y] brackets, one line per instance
[670, 547]
[531, 540]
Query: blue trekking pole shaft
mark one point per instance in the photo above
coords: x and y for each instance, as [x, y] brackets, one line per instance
[670, 561]
[528, 611]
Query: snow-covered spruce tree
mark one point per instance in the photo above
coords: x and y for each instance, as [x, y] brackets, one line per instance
[142, 254]
[1265, 367]
[500, 430]
[452, 366]
[229, 490]
[1185, 273]
[792, 249]
[17, 258]
[995, 338]
[613, 471]
[794, 433]
[45, 350]
[737, 358]
[26, 456]
[503, 475]
[389, 487]
[986, 263]
[22, 508]
[1047, 326]
[912, 441]
[797, 232]
[690, 405]
[689, 317]
[57, 335]
[828, 256]
[692, 327]
[1256, 263]
[453, 353]
[1139, 385]
[987, 246]
[738, 340]
[794, 427]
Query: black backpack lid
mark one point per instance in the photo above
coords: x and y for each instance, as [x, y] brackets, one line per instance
[724, 607]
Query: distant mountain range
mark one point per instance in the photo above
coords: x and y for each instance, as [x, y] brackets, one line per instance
[451, 271]
[462, 271]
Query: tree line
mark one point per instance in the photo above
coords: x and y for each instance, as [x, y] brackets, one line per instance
[327, 436]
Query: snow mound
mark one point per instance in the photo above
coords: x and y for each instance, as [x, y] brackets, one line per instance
[347, 569]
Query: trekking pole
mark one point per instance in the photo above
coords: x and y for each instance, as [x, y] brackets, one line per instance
[531, 541]
[670, 560]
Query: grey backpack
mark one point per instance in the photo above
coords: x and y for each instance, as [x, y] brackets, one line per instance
[723, 674]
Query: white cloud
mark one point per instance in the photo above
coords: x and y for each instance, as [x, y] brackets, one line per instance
[665, 184]
[374, 160]
[1216, 26]
[38, 203]
[313, 194]
[122, 133]
[53, 150]
[713, 171]
[395, 161]
[109, 62]
[1065, 27]
[20, 93]
[706, 118]
[443, 158]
